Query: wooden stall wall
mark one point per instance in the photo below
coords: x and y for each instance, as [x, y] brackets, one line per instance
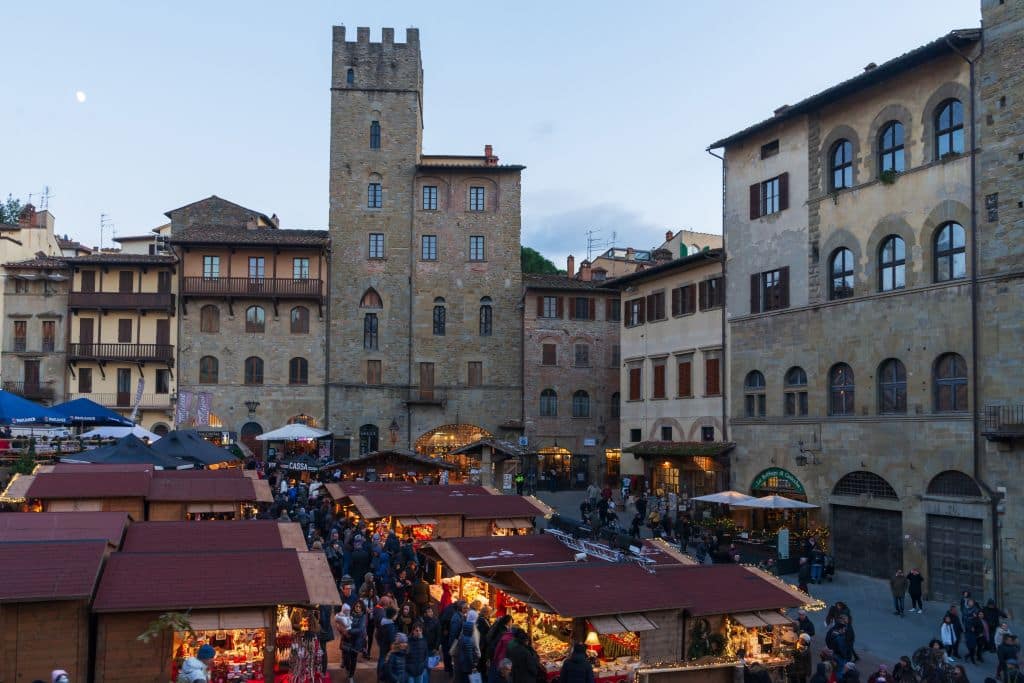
[665, 643]
[448, 527]
[122, 658]
[166, 512]
[36, 638]
[477, 527]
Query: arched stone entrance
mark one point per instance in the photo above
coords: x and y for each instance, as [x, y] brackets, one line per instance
[248, 434]
[441, 441]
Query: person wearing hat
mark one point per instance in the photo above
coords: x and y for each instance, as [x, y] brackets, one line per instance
[576, 668]
[197, 668]
[464, 651]
[394, 670]
[59, 676]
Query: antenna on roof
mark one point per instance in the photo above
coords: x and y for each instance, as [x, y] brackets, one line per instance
[592, 243]
[105, 222]
[44, 198]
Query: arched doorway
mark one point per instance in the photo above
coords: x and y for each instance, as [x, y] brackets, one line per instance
[250, 430]
[441, 441]
[777, 481]
[555, 468]
[160, 429]
[304, 419]
[872, 537]
[955, 543]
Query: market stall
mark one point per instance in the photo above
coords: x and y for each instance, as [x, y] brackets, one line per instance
[298, 440]
[394, 464]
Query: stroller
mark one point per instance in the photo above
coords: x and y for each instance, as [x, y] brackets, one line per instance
[829, 568]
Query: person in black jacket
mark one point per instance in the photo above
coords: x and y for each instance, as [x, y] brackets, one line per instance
[576, 669]
[387, 632]
[431, 630]
[915, 586]
[804, 623]
[416, 656]
[483, 627]
[394, 669]
[525, 662]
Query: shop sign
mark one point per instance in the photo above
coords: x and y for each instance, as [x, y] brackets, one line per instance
[524, 442]
[506, 481]
[590, 442]
[777, 478]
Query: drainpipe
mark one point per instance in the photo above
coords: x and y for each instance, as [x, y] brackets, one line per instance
[725, 289]
[412, 294]
[327, 343]
[993, 496]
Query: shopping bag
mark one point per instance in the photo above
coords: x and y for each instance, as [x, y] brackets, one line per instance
[475, 677]
[433, 661]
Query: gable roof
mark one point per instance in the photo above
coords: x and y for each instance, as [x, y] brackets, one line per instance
[50, 570]
[213, 199]
[938, 47]
[161, 537]
[101, 258]
[61, 526]
[564, 282]
[240, 235]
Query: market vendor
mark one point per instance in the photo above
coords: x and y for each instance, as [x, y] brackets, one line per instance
[197, 668]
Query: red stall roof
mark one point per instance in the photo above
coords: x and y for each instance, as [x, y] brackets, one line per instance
[227, 488]
[62, 526]
[109, 484]
[161, 537]
[478, 553]
[375, 504]
[359, 487]
[142, 481]
[208, 580]
[50, 570]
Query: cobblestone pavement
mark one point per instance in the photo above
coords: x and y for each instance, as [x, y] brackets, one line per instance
[882, 637]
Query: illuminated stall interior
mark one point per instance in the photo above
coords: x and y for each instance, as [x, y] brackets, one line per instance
[440, 442]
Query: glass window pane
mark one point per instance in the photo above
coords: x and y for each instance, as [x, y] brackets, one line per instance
[958, 140]
[898, 164]
[943, 145]
[959, 265]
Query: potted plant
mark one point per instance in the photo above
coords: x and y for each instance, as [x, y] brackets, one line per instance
[889, 176]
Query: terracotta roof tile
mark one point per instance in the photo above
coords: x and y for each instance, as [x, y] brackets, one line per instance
[161, 537]
[219, 580]
[141, 259]
[39, 262]
[61, 526]
[51, 570]
[564, 282]
[230, 234]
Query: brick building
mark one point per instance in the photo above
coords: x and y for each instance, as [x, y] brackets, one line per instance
[570, 377]
[860, 266]
[425, 349]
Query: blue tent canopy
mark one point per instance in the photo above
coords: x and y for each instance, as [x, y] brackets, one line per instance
[86, 412]
[128, 450]
[15, 410]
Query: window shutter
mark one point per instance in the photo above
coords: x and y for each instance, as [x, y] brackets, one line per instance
[540, 307]
[572, 308]
[609, 305]
[592, 309]
[641, 318]
[702, 294]
[784, 287]
[558, 307]
[755, 292]
[711, 377]
[625, 314]
[783, 191]
[651, 313]
[677, 301]
[634, 384]
[683, 379]
[689, 299]
[755, 200]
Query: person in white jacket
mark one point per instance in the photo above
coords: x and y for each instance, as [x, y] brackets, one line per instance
[197, 668]
[947, 634]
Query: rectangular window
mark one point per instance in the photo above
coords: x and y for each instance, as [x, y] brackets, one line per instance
[85, 380]
[769, 291]
[616, 356]
[582, 308]
[88, 280]
[712, 294]
[124, 331]
[374, 196]
[635, 434]
[376, 245]
[370, 331]
[796, 403]
[126, 281]
[613, 310]
[375, 135]
[474, 373]
[549, 307]
[684, 376]
[656, 306]
[300, 268]
[163, 382]
[549, 354]
[211, 267]
[21, 286]
[581, 355]
[373, 372]
[666, 433]
[20, 335]
[428, 247]
[658, 374]
[769, 149]
[707, 434]
[49, 335]
[257, 267]
[712, 374]
[476, 248]
[769, 196]
[476, 199]
[635, 376]
[430, 198]
[684, 300]
[634, 312]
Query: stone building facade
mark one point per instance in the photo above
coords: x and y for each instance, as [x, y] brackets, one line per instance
[425, 341]
[253, 319]
[571, 378]
[35, 326]
[673, 427]
[853, 247]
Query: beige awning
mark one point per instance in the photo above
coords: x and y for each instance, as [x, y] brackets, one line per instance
[364, 507]
[319, 581]
[215, 620]
[334, 491]
[775, 619]
[211, 507]
[408, 521]
[606, 625]
[455, 560]
[427, 521]
[82, 505]
[623, 623]
[748, 620]
[17, 488]
[262, 490]
[636, 622]
[291, 536]
[514, 523]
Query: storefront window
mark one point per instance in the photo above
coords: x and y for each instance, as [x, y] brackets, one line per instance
[666, 478]
[613, 463]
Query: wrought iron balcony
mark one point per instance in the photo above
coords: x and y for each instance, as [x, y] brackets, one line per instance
[425, 396]
[254, 288]
[121, 301]
[126, 399]
[163, 353]
[1004, 422]
[35, 391]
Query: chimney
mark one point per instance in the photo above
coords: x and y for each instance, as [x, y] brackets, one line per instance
[585, 270]
[489, 158]
[27, 217]
[570, 266]
[668, 235]
[275, 221]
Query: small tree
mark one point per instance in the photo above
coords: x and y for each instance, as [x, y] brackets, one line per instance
[534, 262]
[10, 210]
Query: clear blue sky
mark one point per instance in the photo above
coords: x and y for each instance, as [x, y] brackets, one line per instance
[609, 105]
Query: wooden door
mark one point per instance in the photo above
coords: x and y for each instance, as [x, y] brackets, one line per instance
[126, 281]
[124, 387]
[85, 336]
[163, 282]
[163, 332]
[32, 377]
[426, 381]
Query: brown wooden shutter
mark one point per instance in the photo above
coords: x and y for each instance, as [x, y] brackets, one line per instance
[592, 308]
[651, 314]
[634, 384]
[755, 292]
[641, 317]
[549, 354]
[755, 200]
[711, 377]
[783, 192]
[625, 313]
[572, 308]
[540, 307]
[677, 301]
[124, 331]
[684, 378]
[609, 306]
[659, 381]
[558, 307]
[784, 287]
[702, 294]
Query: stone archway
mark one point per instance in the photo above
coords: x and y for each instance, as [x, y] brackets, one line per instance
[248, 434]
[441, 441]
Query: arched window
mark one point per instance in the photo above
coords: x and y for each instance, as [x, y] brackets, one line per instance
[209, 318]
[371, 299]
[950, 381]
[486, 316]
[298, 371]
[841, 278]
[254, 370]
[892, 387]
[350, 77]
[300, 320]
[893, 258]
[842, 165]
[840, 390]
[368, 435]
[890, 148]
[862, 483]
[950, 252]
[949, 129]
[581, 404]
[616, 409]
[255, 319]
[209, 368]
[549, 403]
[439, 317]
[375, 135]
[795, 392]
[753, 391]
[370, 331]
[953, 483]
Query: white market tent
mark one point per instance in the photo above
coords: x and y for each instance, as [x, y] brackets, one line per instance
[293, 432]
[775, 502]
[118, 432]
[734, 498]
